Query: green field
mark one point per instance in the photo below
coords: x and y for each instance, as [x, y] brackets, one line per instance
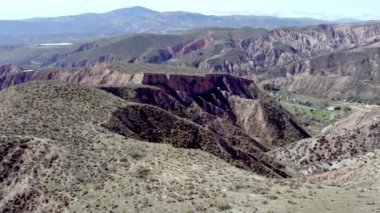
[315, 119]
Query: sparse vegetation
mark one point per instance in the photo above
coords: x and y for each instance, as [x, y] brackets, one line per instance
[315, 118]
[53, 135]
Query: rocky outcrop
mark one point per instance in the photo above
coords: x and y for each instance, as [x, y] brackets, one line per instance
[102, 75]
[8, 69]
[199, 84]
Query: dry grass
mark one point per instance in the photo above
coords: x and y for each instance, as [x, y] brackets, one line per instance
[64, 160]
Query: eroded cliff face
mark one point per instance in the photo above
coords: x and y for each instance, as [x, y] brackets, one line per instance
[228, 101]
[284, 46]
[352, 75]
[218, 113]
[102, 75]
[95, 75]
[225, 104]
[221, 114]
[239, 54]
[198, 84]
[8, 69]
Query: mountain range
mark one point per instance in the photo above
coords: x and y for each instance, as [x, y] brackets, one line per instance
[131, 20]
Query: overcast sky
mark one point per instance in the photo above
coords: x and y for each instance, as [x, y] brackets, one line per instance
[323, 9]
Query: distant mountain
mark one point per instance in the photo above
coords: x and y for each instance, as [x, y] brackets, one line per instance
[131, 20]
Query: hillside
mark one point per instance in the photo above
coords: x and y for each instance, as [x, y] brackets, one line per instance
[195, 105]
[349, 75]
[208, 92]
[136, 110]
[244, 51]
[67, 148]
[129, 20]
[143, 47]
[325, 61]
[344, 143]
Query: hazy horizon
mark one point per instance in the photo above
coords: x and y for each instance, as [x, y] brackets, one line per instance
[323, 9]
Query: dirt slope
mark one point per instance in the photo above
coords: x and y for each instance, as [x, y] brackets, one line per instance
[55, 149]
[56, 155]
[342, 144]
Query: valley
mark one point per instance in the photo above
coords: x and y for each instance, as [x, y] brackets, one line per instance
[184, 112]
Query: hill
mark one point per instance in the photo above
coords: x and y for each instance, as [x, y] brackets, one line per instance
[243, 51]
[327, 61]
[129, 20]
[347, 75]
[67, 147]
[63, 125]
[344, 143]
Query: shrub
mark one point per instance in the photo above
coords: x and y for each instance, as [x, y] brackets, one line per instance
[142, 172]
[137, 153]
[221, 204]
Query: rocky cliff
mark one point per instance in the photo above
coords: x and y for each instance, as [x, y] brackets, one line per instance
[9, 69]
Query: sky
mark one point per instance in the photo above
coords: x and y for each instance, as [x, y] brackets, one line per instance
[322, 9]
